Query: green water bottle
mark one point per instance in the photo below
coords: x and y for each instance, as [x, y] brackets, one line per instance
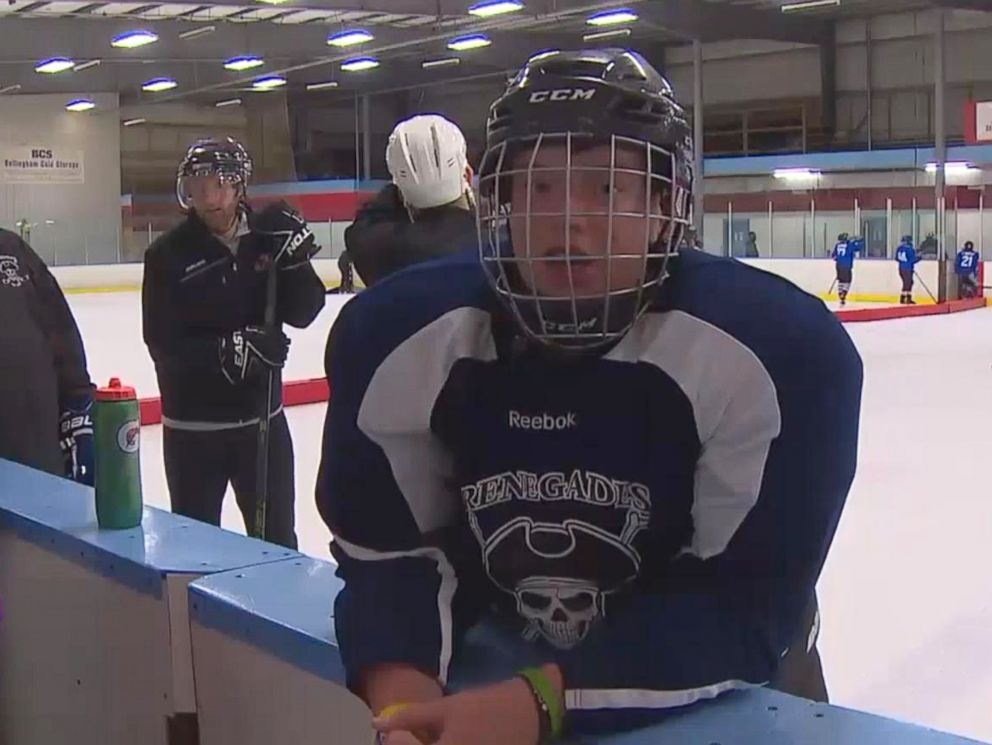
[117, 432]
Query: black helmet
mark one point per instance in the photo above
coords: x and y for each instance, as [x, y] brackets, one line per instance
[226, 158]
[842, 237]
[969, 246]
[908, 239]
[574, 101]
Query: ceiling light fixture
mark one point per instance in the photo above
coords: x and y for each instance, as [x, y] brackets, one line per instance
[54, 65]
[495, 8]
[808, 5]
[202, 31]
[157, 85]
[357, 64]
[244, 62]
[10, 88]
[327, 85]
[133, 39]
[268, 83]
[228, 102]
[952, 167]
[133, 122]
[80, 104]
[795, 174]
[349, 38]
[272, 2]
[86, 65]
[472, 41]
[427, 64]
[612, 33]
[612, 17]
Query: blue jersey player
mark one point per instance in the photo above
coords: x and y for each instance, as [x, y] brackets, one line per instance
[907, 259]
[609, 446]
[966, 269]
[843, 255]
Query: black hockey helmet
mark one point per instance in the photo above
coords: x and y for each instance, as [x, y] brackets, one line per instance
[569, 102]
[907, 239]
[969, 245]
[225, 158]
[843, 237]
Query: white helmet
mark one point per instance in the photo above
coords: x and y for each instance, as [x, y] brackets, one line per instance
[426, 158]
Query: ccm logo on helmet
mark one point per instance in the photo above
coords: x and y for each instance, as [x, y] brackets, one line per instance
[563, 94]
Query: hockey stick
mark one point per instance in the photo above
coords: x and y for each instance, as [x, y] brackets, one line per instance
[832, 285]
[262, 446]
[924, 285]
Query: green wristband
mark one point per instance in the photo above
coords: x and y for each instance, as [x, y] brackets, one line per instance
[545, 691]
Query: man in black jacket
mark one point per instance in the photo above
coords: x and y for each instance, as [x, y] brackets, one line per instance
[45, 390]
[204, 299]
[426, 212]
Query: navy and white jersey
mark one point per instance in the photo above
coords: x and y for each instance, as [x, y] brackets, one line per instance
[906, 256]
[654, 518]
[844, 253]
[966, 262]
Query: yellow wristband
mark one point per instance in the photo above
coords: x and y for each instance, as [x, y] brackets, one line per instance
[391, 709]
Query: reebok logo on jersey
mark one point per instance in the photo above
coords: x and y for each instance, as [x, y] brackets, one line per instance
[544, 422]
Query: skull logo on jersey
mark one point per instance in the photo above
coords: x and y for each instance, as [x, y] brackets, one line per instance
[562, 610]
[559, 574]
[10, 274]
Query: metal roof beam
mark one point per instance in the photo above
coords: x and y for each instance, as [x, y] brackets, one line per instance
[717, 21]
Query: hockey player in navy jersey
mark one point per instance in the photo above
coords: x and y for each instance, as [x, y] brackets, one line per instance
[634, 457]
[907, 258]
[966, 268]
[843, 255]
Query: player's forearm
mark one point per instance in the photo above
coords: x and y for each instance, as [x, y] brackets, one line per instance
[390, 683]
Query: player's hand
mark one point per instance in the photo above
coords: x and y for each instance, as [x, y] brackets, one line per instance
[76, 441]
[292, 243]
[252, 351]
[498, 714]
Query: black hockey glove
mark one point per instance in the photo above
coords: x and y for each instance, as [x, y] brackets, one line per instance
[76, 440]
[291, 241]
[248, 353]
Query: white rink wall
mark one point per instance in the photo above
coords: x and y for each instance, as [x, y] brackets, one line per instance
[874, 279]
[104, 277]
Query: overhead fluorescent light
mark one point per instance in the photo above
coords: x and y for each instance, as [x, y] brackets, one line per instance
[86, 65]
[228, 102]
[322, 86]
[543, 55]
[808, 5]
[201, 31]
[349, 38]
[268, 82]
[157, 85]
[952, 167]
[133, 39]
[356, 64]
[427, 64]
[472, 41]
[272, 2]
[612, 17]
[495, 8]
[612, 33]
[10, 88]
[796, 174]
[133, 122]
[54, 65]
[244, 62]
[80, 104]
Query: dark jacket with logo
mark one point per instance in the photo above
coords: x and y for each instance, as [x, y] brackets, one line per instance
[196, 291]
[42, 362]
[383, 239]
